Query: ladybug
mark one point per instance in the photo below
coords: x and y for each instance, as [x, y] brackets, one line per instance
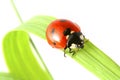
[63, 34]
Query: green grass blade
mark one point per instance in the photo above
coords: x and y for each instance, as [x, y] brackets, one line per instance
[19, 55]
[97, 62]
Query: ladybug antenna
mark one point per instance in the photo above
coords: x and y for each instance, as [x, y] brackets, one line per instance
[67, 32]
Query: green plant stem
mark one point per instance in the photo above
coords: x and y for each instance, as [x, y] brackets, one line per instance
[16, 11]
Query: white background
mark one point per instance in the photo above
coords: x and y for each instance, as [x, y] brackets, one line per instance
[99, 21]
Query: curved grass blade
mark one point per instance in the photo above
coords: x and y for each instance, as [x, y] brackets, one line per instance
[19, 55]
[20, 58]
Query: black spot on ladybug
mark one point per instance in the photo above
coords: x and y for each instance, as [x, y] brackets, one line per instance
[53, 30]
[67, 32]
[63, 20]
[54, 43]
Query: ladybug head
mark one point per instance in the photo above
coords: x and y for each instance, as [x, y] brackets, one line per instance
[74, 39]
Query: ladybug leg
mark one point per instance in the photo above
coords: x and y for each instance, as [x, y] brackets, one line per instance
[71, 51]
[81, 46]
[64, 51]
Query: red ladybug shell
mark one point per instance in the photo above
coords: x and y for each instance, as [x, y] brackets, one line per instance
[54, 32]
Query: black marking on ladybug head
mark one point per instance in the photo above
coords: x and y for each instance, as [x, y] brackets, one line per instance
[53, 30]
[63, 20]
[67, 32]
